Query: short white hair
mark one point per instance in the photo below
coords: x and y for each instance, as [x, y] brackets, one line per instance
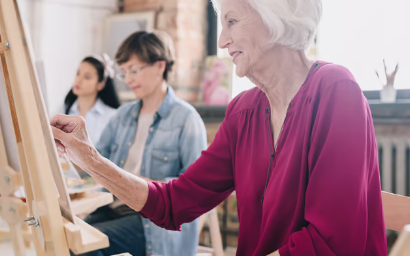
[291, 23]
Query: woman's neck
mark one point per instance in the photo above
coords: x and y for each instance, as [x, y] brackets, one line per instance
[152, 102]
[85, 103]
[280, 74]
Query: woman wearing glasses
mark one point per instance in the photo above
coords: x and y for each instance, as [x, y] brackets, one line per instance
[155, 137]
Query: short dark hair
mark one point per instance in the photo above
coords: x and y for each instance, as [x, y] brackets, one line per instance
[149, 48]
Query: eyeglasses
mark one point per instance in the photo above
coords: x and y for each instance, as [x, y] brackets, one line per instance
[133, 73]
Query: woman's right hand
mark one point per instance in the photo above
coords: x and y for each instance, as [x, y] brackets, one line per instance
[71, 137]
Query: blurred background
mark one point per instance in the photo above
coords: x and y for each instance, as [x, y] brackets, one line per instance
[358, 34]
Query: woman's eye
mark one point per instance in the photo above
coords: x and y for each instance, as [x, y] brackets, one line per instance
[134, 72]
[231, 22]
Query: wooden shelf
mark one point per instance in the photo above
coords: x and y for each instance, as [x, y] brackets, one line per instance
[87, 202]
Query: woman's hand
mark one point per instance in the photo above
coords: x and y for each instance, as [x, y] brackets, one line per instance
[71, 137]
[274, 254]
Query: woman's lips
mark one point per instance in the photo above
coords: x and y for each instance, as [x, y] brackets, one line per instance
[135, 88]
[236, 56]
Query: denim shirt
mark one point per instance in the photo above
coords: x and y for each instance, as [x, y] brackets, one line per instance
[176, 139]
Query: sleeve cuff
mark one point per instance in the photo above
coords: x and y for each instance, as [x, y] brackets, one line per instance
[168, 179]
[284, 250]
[150, 206]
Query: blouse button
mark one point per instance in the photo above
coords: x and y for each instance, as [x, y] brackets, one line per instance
[165, 158]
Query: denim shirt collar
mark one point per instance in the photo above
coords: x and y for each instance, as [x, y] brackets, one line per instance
[163, 109]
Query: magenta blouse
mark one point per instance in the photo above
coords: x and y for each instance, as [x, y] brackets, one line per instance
[318, 194]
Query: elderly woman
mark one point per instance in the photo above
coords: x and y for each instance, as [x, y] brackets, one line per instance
[299, 149]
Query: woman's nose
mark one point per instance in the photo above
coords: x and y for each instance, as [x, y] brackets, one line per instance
[224, 40]
[128, 79]
[77, 80]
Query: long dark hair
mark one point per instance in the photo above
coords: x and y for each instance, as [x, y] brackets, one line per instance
[108, 94]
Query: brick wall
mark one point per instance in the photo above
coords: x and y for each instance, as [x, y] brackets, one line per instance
[185, 21]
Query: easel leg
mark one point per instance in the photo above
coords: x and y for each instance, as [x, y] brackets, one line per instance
[201, 222]
[17, 238]
[27, 243]
[215, 232]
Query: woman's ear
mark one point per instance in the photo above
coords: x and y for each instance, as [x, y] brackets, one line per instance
[100, 86]
[161, 65]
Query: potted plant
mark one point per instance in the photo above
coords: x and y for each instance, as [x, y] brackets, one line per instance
[388, 93]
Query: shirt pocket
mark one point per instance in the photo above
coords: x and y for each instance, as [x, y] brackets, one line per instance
[164, 163]
[113, 150]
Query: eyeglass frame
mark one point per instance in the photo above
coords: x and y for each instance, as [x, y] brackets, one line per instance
[122, 75]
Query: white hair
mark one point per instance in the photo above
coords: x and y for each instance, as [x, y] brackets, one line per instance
[291, 23]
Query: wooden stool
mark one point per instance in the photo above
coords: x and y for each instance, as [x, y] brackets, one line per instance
[217, 249]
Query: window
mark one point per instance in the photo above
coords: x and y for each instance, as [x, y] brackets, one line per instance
[359, 34]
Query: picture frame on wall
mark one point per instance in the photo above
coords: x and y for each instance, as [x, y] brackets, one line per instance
[118, 27]
[217, 81]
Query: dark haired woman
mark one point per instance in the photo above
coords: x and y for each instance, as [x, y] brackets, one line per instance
[93, 95]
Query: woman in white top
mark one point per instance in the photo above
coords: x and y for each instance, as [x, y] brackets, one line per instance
[93, 95]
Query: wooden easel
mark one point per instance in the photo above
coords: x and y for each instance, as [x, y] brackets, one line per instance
[29, 148]
[12, 210]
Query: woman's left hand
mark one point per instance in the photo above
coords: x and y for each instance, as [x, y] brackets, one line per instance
[71, 137]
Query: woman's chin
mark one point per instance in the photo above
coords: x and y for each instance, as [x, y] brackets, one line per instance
[240, 71]
[138, 95]
[77, 92]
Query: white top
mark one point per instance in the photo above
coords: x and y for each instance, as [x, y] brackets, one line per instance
[135, 154]
[96, 118]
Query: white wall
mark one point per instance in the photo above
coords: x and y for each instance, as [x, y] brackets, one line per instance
[360, 33]
[64, 32]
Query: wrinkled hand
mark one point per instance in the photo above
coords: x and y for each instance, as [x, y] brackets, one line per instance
[71, 137]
